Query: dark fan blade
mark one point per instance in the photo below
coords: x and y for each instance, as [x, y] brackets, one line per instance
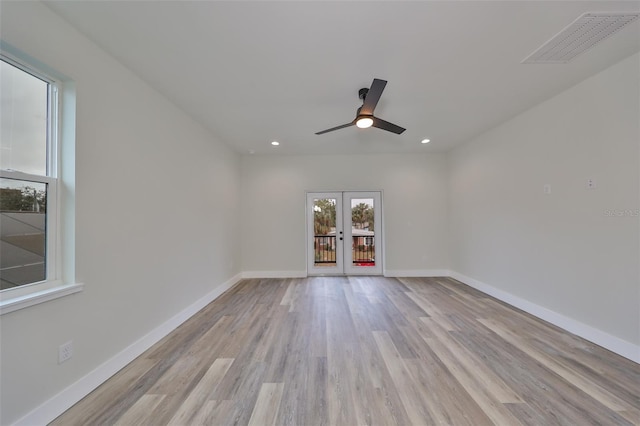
[336, 128]
[385, 125]
[373, 96]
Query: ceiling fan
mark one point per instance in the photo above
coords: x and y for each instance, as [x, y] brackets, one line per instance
[364, 116]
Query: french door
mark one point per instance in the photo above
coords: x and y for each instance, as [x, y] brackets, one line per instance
[344, 233]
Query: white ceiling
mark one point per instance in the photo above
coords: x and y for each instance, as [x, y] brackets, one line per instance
[253, 72]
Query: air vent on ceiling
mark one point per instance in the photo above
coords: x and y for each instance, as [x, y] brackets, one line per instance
[582, 34]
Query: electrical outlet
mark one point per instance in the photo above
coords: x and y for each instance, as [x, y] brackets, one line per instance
[547, 188]
[65, 352]
[591, 184]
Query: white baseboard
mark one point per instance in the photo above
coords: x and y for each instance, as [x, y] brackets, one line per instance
[599, 337]
[417, 273]
[274, 274]
[57, 405]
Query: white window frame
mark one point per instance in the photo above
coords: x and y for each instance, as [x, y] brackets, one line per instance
[53, 286]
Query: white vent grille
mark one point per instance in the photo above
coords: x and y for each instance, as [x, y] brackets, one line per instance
[584, 33]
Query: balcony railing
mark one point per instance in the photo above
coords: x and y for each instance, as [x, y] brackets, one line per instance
[362, 250]
[325, 249]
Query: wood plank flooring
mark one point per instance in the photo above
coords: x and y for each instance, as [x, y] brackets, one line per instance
[365, 351]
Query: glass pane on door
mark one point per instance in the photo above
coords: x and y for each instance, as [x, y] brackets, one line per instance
[363, 251]
[324, 232]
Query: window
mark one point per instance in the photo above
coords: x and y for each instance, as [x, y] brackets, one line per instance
[30, 246]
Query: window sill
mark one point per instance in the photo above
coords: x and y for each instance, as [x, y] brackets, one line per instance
[21, 302]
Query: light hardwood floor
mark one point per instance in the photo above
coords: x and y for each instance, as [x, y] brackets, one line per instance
[365, 350]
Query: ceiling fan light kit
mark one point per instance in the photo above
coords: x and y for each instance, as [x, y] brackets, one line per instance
[364, 116]
[364, 122]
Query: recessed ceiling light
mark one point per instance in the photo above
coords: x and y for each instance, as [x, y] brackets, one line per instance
[425, 141]
[275, 143]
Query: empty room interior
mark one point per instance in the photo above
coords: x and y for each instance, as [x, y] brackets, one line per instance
[320, 212]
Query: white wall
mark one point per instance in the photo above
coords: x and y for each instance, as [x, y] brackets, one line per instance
[142, 167]
[414, 206]
[564, 251]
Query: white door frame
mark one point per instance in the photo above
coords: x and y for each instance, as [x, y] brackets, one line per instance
[344, 264]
